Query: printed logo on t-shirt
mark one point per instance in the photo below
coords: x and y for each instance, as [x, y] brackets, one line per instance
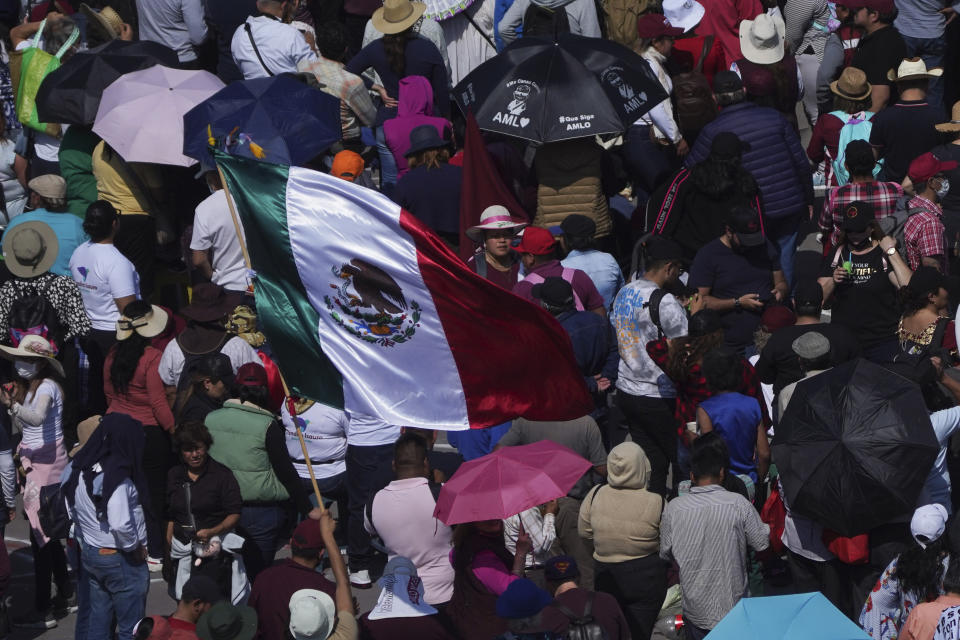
[84, 272]
[861, 272]
[303, 423]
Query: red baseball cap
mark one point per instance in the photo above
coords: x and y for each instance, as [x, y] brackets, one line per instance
[536, 240]
[654, 25]
[928, 165]
[251, 375]
[307, 535]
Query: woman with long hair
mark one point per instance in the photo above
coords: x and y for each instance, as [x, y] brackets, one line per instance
[398, 54]
[431, 189]
[851, 108]
[35, 402]
[133, 386]
[682, 360]
[482, 570]
[913, 577]
[925, 316]
[209, 386]
[862, 276]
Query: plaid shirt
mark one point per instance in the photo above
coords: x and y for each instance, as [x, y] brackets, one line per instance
[924, 234]
[355, 102]
[692, 391]
[882, 195]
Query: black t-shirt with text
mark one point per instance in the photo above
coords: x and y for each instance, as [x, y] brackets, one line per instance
[866, 303]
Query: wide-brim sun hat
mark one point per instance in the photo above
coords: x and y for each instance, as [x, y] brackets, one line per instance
[852, 85]
[33, 347]
[954, 124]
[211, 302]
[149, 325]
[494, 217]
[684, 14]
[108, 20]
[30, 248]
[762, 39]
[913, 69]
[396, 16]
[312, 615]
[223, 621]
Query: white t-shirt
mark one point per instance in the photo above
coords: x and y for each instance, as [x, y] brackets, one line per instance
[45, 146]
[213, 228]
[281, 46]
[324, 433]
[103, 275]
[171, 362]
[367, 431]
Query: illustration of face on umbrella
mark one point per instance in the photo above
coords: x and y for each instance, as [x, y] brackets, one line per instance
[279, 119]
[547, 91]
[141, 113]
[72, 93]
[795, 617]
[509, 480]
[854, 447]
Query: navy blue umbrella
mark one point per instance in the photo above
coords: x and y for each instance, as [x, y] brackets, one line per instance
[279, 120]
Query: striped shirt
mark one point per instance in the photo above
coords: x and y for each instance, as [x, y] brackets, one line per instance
[806, 26]
[713, 568]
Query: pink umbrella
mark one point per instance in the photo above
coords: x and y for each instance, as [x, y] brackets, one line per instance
[141, 113]
[508, 481]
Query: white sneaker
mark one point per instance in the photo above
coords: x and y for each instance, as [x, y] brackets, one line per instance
[154, 565]
[360, 579]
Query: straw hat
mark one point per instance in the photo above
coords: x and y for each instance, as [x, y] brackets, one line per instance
[913, 69]
[493, 217]
[954, 124]
[30, 248]
[84, 430]
[150, 324]
[761, 39]
[108, 20]
[32, 348]
[852, 85]
[397, 15]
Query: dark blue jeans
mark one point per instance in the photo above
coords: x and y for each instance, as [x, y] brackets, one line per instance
[265, 528]
[932, 50]
[118, 586]
[369, 469]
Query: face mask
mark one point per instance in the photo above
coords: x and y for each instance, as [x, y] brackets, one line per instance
[26, 370]
[858, 240]
[944, 188]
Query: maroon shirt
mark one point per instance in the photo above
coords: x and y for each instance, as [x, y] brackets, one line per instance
[503, 279]
[421, 628]
[271, 595]
[582, 285]
[605, 611]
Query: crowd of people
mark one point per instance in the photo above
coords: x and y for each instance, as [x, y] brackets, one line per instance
[705, 264]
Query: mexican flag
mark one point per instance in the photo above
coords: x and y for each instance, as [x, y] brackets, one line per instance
[366, 309]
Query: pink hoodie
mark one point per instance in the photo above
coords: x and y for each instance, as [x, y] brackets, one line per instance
[414, 108]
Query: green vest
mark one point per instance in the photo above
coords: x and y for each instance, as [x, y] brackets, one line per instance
[239, 443]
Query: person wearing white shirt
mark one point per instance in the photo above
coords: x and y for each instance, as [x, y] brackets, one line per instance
[266, 46]
[540, 525]
[215, 230]
[108, 282]
[104, 504]
[178, 24]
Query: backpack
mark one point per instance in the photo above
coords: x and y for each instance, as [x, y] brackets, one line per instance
[191, 360]
[34, 314]
[566, 274]
[854, 128]
[583, 627]
[893, 225]
[694, 106]
[52, 513]
[545, 22]
[653, 304]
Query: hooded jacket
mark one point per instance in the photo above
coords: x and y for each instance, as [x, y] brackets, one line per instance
[414, 108]
[622, 517]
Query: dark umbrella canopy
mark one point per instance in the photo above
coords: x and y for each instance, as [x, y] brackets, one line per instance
[548, 91]
[71, 94]
[278, 119]
[854, 447]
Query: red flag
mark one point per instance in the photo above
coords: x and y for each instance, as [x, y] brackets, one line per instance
[482, 186]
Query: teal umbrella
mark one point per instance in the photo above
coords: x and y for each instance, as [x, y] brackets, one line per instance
[796, 617]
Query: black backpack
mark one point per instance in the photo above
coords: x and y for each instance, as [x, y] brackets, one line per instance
[544, 22]
[653, 304]
[191, 360]
[583, 627]
[52, 513]
[35, 314]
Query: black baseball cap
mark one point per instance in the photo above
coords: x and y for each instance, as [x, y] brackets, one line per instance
[857, 216]
[746, 223]
[660, 248]
[578, 226]
[555, 291]
[808, 293]
[202, 588]
[726, 82]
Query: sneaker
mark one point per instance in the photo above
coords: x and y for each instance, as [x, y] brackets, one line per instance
[155, 565]
[64, 606]
[360, 579]
[38, 620]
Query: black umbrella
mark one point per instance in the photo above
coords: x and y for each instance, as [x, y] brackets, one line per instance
[71, 94]
[854, 447]
[548, 91]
